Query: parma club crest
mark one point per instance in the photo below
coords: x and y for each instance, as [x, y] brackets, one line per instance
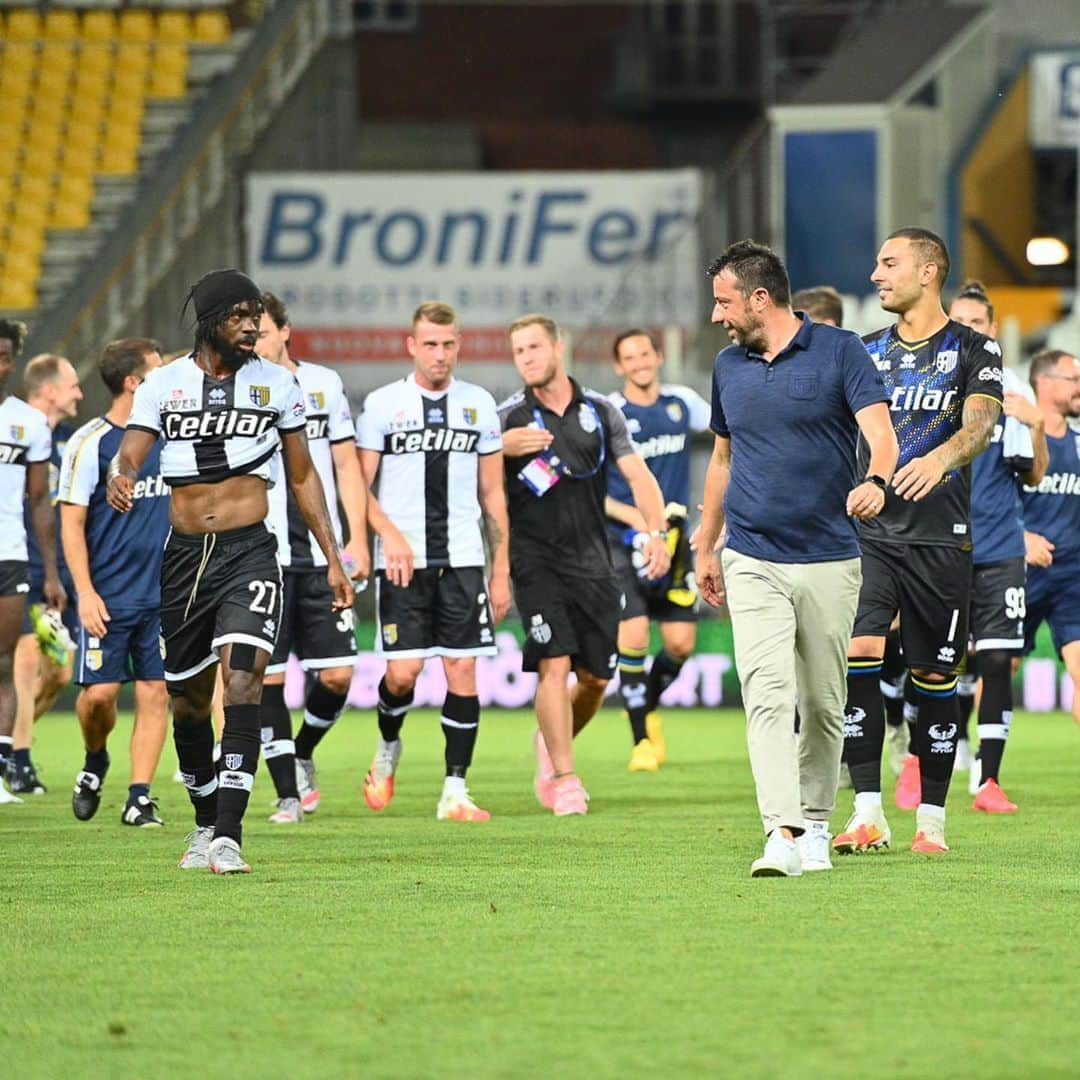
[389, 634]
[471, 416]
[93, 659]
[18, 432]
[317, 401]
[260, 395]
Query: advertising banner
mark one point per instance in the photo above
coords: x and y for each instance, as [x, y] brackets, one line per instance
[1054, 100]
[353, 254]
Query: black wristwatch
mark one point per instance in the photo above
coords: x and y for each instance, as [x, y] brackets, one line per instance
[878, 481]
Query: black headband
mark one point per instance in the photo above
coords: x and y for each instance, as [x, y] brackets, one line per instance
[220, 291]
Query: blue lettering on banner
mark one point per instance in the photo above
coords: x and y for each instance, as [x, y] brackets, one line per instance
[298, 230]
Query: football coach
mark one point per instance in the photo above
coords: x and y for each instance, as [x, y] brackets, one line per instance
[790, 399]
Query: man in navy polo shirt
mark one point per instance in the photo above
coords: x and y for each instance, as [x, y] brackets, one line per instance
[790, 398]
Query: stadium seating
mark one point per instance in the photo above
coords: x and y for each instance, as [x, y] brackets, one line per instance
[75, 79]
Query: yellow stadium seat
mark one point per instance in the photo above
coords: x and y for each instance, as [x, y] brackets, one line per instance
[23, 24]
[211, 27]
[125, 113]
[59, 55]
[95, 58]
[136, 25]
[41, 151]
[46, 111]
[118, 159]
[13, 102]
[61, 25]
[17, 293]
[24, 239]
[133, 56]
[129, 83]
[20, 57]
[78, 160]
[6, 184]
[168, 76]
[52, 82]
[35, 210]
[173, 27]
[98, 25]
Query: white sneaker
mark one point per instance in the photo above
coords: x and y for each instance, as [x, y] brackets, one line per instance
[224, 857]
[962, 762]
[198, 842]
[780, 858]
[307, 785]
[975, 777]
[456, 805]
[6, 796]
[896, 743]
[288, 812]
[814, 846]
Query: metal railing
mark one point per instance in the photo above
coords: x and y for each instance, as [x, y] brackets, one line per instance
[189, 182]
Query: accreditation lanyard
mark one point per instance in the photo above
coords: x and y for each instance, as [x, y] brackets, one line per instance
[562, 467]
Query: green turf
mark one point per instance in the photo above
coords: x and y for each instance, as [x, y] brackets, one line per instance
[627, 942]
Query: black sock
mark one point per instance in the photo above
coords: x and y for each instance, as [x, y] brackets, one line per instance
[864, 723]
[277, 742]
[96, 762]
[321, 710]
[5, 752]
[239, 760]
[664, 671]
[392, 709]
[633, 689]
[22, 758]
[135, 790]
[995, 710]
[195, 754]
[892, 694]
[460, 721]
[893, 672]
[939, 724]
[911, 714]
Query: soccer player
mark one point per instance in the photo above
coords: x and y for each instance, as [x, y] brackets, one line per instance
[789, 570]
[557, 439]
[822, 303]
[324, 640]
[43, 655]
[660, 419]
[945, 388]
[433, 441]
[1018, 452]
[115, 562]
[25, 444]
[1052, 515]
[222, 414]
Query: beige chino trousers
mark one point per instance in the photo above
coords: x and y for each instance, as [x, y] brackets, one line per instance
[792, 624]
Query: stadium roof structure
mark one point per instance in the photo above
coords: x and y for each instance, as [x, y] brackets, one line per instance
[877, 65]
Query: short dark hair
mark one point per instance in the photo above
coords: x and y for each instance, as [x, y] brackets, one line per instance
[754, 266]
[122, 358]
[820, 302]
[41, 370]
[275, 307]
[435, 311]
[1044, 362]
[634, 332]
[14, 331]
[976, 290]
[929, 248]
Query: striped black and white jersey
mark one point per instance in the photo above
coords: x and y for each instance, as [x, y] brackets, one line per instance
[430, 443]
[216, 428]
[328, 421]
[25, 439]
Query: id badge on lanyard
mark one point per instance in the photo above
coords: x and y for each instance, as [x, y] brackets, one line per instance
[546, 469]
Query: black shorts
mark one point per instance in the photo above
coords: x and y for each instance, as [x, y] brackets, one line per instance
[310, 627]
[931, 589]
[998, 606]
[657, 603]
[575, 617]
[216, 589]
[444, 611]
[14, 578]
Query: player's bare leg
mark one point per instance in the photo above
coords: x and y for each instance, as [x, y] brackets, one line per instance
[586, 697]
[555, 714]
[149, 729]
[95, 708]
[1070, 655]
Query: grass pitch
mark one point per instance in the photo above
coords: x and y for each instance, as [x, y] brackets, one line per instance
[630, 941]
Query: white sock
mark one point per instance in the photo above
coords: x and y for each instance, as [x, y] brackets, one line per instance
[934, 813]
[384, 745]
[815, 826]
[455, 785]
[867, 800]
